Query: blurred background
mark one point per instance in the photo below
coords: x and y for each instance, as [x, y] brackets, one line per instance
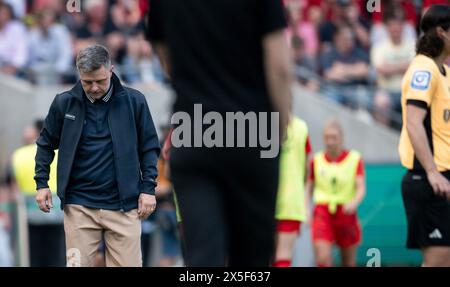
[348, 63]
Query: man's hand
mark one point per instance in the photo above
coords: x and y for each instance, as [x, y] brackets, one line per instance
[146, 205]
[44, 199]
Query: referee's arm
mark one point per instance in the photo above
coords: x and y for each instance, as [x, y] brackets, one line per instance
[416, 112]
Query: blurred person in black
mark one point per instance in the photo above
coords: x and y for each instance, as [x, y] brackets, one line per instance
[345, 13]
[228, 55]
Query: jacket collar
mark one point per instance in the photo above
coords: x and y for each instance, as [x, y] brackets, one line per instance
[118, 90]
[106, 97]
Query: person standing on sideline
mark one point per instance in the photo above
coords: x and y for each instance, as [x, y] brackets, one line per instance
[228, 56]
[108, 153]
[425, 141]
[45, 230]
[290, 209]
[337, 182]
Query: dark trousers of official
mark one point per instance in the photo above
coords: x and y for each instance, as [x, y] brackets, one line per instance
[227, 203]
[47, 247]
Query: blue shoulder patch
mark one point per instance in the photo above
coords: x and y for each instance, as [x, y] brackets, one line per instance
[421, 80]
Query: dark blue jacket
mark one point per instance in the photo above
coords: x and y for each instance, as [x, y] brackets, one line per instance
[135, 142]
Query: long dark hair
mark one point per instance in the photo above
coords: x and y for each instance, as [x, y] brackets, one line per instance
[430, 44]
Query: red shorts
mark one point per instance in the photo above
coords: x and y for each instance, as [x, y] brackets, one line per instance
[288, 226]
[340, 228]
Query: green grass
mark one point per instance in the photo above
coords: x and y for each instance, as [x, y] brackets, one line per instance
[383, 218]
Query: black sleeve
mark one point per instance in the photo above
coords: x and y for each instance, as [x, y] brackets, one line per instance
[417, 103]
[154, 22]
[47, 143]
[273, 16]
[149, 148]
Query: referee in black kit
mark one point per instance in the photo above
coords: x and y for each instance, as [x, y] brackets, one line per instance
[228, 56]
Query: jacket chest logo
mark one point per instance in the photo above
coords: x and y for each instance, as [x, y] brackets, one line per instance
[69, 117]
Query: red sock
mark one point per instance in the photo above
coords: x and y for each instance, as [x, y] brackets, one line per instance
[282, 263]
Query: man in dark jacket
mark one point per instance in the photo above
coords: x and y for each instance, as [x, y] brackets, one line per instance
[107, 164]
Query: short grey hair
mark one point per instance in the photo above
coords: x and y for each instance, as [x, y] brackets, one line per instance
[93, 58]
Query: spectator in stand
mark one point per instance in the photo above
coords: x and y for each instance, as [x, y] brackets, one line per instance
[345, 12]
[18, 7]
[379, 32]
[99, 28]
[137, 63]
[325, 6]
[140, 64]
[50, 50]
[37, 5]
[315, 16]
[345, 65]
[143, 7]
[126, 16]
[391, 59]
[13, 41]
[71, 20]
[301, 27]
[305, 67]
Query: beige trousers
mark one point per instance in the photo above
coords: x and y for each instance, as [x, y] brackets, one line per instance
[84, 228]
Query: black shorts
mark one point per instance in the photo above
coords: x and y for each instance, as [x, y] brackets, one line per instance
[428, 215]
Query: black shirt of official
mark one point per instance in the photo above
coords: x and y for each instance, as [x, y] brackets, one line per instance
[216, 51]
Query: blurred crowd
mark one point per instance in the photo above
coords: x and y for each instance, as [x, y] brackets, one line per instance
[353, 55]
[39, 39]
[342, 49]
